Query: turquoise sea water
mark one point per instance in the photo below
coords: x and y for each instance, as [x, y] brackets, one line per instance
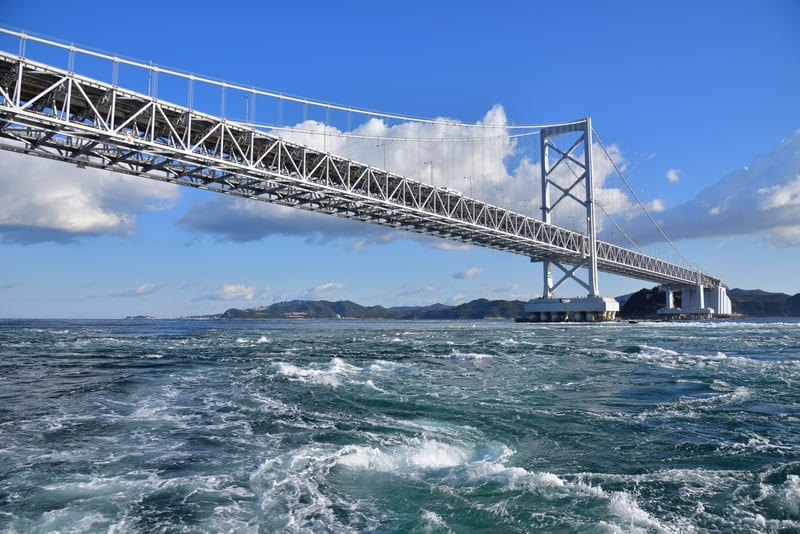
[346, 426]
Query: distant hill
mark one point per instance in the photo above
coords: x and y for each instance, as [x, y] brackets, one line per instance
[757, 303]
[644, 304]
[323, 309]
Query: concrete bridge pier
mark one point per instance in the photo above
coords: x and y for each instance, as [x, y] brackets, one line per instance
[581, 310]
[593, 307]
[697, 302]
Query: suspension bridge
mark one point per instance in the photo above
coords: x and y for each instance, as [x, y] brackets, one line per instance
[88, 120]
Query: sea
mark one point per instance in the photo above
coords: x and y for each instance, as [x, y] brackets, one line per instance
[389, 427]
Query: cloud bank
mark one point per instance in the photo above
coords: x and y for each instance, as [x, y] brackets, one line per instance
[464, 166]
[763, 199]
[45, 200]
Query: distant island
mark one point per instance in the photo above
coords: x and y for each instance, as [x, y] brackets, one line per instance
[643, 304]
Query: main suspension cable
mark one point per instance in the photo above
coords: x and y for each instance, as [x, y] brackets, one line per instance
[641, 204]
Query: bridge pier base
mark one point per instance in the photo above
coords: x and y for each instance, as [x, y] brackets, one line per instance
[697, 302]
[580, 310]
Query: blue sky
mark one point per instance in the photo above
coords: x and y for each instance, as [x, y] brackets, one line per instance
[697, 101]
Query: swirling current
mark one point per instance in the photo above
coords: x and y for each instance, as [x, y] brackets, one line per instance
[350, 426]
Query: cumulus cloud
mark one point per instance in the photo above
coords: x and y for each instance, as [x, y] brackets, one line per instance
[235, 292]
[478, 166]
[472, 272]
[762, 199]
[231, 292]
[42, 200]
[672, 175]
[491, 165]
[45, 200]
[655, 206]
[781, 195]
[140, 291]
[322, 291]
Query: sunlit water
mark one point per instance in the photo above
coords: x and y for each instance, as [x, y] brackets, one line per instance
[343, 426]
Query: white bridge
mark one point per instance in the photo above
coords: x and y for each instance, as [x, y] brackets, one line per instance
[59, 114]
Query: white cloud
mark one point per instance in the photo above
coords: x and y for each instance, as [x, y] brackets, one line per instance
[245, 220]
[325, 290]
[655, 205]
[440, 243]
[781, 195]
[235, 292]
[472, 272]
[762, 199]
[672, 175]
[45, 200]
[144, 289]
[479, 167]
[41, 200]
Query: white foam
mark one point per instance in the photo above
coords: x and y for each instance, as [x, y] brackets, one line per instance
[433, 521]
[514, 477]
[337, 372]
[790, 495]
[329, 375]
[419, 454]
[470, 356]
[463, 356]
[291, 499]
[371, 385]
[760, 444]
[382, 366]
[634, 518]
[651, 351]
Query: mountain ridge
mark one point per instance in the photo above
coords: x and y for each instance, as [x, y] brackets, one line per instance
[346, 309]
[641, 304]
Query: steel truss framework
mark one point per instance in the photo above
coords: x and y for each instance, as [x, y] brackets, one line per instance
[52, 113]
[584, 177]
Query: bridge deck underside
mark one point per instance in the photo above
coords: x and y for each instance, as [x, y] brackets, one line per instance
[55, 114]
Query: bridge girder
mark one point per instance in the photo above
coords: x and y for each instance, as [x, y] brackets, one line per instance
[57, 114]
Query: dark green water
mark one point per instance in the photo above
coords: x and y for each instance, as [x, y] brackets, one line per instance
[179, 426]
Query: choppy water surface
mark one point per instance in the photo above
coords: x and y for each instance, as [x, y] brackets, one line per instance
[179, 426]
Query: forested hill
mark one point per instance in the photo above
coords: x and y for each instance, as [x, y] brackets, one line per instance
[757, 303]
[642, 304]
[323, 309]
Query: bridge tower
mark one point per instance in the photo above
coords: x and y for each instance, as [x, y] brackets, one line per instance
[574, 162]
